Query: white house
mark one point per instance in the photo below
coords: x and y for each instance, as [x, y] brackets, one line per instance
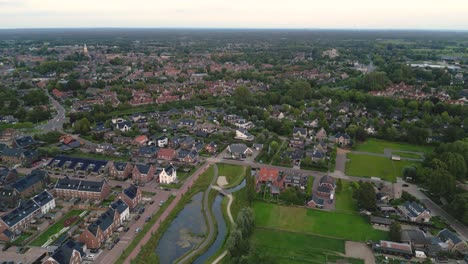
[123, 209]
[45, 200]
[168, 175]
[124, 126]
[243, 134]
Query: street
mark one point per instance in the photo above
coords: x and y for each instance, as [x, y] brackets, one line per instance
[56, 123]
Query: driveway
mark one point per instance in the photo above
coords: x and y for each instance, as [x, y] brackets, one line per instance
[359, 250]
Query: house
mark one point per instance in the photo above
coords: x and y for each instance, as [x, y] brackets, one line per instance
[299, 132]
[238, 151]
[211, 147]
[271, 179]
[415, 212]
[295, 180]
[381, 221]
[7, 176]
[124, 126]
[342, 139]
[242, 123]
[143, 173]
[7, 135]
[99, 231]
[122, 208]
[120, 170]
[393, 248]
[94, 190]
[321, 135]
[161, 141]
[45, 200]
[326, 187]
[187, 123]
[415, 237]
[69, 253]
[168, 175]
[141, 140]
[148, 151]
[24, 142]
[187, 156]
[187, 143]
[166, 154]
[9, 197]
[453, 241]
[297, 143]
[19, 156]
[131, 196]
[316, 155]
[20, 218]
[31, 183]
[316, 202]
[243, 134]
[72, 165]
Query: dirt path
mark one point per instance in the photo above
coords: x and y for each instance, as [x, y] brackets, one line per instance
[359, 250]
[188, 183]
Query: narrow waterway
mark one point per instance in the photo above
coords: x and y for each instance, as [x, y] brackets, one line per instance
[217, 210]
[185, 232]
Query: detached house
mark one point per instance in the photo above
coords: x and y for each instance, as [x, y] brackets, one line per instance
[143, 173]
[131, 196]
[454, 242]
[271, 179]
[299, 132]
[243, 134]
[166, 154]
[326, 187]
[124, 126]
[415, 212]
[342, 139]
[69, 253]
[168, 175]
[238, 151]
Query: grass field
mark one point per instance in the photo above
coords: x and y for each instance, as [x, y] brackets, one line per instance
[54, 229]
[234, 174]
[378, 146]
[344, 201]
[315, 222]
[287, 247]
[372, 166]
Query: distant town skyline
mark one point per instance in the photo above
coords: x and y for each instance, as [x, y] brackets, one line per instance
[333, 14]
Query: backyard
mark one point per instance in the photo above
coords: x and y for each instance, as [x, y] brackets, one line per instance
[360, 165]
[54, 229]
[315, 222]
[378, 146]
[344, 201]
[288, 247]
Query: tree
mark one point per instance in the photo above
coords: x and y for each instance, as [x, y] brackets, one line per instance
[273, 147]
[458, 207]
[395, 232]
[365, 196]
[441, 183]
[409, 173]
[82, 126]
[455, 164]
[339, 185]
[250, 185]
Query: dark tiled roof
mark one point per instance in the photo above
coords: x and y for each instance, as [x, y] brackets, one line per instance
[120, 206]
[131, 191]
[103, 222]
[12, 152]
[83, 164]
[446, 234]
[143, 169]
[70, 184]
[21, 212]
[25, 141]
[120, 166]
[29, 180]
[43, 198]
[64, 253]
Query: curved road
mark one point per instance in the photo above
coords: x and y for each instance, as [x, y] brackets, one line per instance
[56, 123]
[209, 221]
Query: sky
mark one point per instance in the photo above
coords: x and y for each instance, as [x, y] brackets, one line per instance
[337, 14]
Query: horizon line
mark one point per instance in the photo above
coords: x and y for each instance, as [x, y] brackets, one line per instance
[243, 28]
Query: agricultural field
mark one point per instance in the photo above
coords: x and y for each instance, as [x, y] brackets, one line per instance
[378, 146]
[54, 229]
[288, 247]
[361, 165]
[315, 222]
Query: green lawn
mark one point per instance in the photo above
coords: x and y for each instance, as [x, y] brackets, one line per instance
[378, 146]
[54, 229]
[407, 155]
[315, 222]
[371, 166]
[234, 174]
[344, 201]
[288, 247]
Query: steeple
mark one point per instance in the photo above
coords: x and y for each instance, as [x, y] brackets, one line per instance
[85, 50]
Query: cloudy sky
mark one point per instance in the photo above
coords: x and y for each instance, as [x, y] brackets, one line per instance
[355, 14]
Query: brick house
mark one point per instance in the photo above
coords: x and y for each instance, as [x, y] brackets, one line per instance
[94, 190]
[71, 253]
[414, 212]
[96, 233]
[143, 173]
[453, 241]
[7, 176]
[271, 179]
[120, 170]
[20, 218]
[131, 196]
[166, 154]
[326, 187]
[31, 183]
[18, 156]
[342, 139]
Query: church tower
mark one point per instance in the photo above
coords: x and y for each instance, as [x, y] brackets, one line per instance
[85, 50]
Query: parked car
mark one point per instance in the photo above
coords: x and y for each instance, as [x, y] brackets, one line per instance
[148, 219]
[94, 250]
[161, 203]
[137, 217]
[138, 230]
[116, 240]
[151, 202]
[142, 210]
[405, 185]
[111, 246]
[126, 229]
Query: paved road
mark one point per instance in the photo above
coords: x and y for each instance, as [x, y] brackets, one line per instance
[56, 123]
[188, 183]
[111, 256]
[209, 222]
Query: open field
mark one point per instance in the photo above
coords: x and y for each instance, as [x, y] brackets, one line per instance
[407, 155]
[234, 174]
[372, 166]
[287, 247]
[378, 146]
[54, 229]
[315, 222]
[344, 199]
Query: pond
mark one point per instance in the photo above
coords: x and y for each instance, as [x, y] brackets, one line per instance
[185, 232]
